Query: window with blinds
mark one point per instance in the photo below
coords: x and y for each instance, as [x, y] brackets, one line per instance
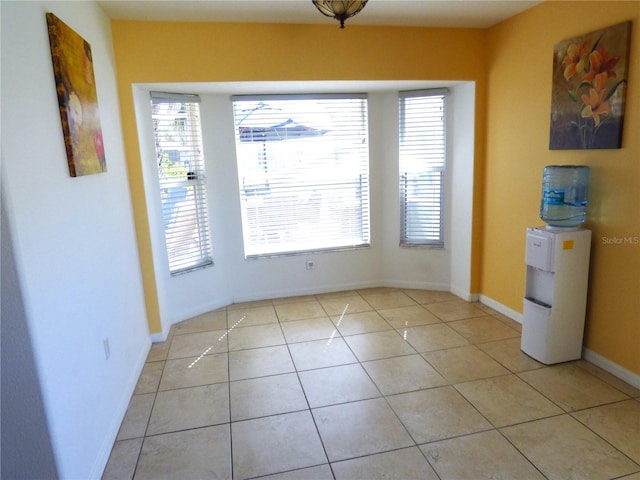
[181, 173]
[303, 169]
[422, 167]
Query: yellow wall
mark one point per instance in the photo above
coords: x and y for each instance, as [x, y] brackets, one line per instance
[209, 52]
[511, 64]
[519, 101]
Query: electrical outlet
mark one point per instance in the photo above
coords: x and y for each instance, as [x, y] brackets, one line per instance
[107, 348]
[311, 264]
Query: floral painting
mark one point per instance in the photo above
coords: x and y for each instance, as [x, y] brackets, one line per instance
[589, 87]
[77, 99]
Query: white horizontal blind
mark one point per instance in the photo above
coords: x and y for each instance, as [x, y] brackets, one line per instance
[422, 167]
[180, 162]
[303, 165]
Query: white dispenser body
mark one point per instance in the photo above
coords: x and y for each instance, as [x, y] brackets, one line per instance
[556, 294]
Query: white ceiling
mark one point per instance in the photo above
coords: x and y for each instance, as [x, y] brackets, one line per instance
[419, 13]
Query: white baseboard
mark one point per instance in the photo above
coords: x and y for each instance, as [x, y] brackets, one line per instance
[589, 355]
[500, 308]
[162, 336]
[112, 432]
[305, 291]
[442, 287]
[159, 337]
[611, 367]
[271, 294]
[464, 294]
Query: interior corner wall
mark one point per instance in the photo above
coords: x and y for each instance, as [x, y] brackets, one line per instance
[461, 142]
[519, 105]
[408, 267]
[25, 445]
[74, 247]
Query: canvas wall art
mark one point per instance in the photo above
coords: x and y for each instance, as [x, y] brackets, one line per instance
[77, 99]
[589, 89]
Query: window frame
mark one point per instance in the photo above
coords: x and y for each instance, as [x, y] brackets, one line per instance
[251, 250]
[436, 169]
[190, 191]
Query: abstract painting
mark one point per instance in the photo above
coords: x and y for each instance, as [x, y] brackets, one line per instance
[77, 99]
[589, 89]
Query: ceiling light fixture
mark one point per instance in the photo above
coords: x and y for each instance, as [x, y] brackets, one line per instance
[339, 9]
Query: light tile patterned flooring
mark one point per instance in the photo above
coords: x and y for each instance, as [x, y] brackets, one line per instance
[369, 384]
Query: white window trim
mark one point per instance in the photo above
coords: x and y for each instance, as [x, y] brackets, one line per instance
[198, 254]
[257, 250]
[438, 170]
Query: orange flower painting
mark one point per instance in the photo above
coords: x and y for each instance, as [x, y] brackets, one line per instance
[589, 88]
[77, 99]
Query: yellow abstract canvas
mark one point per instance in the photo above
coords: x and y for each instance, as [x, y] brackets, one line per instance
[77, 98]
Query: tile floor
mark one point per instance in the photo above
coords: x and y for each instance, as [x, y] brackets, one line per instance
[370, 384]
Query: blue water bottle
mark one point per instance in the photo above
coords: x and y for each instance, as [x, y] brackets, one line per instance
[564, 196]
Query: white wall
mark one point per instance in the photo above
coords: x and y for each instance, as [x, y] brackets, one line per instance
[74, 241]
[409, 267]
[26, 444]
[234, 279]
[460, 143]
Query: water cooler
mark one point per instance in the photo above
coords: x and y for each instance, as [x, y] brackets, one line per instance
[556, 293]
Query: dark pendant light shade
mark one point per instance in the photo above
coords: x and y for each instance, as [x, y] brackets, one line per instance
[339, 9]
